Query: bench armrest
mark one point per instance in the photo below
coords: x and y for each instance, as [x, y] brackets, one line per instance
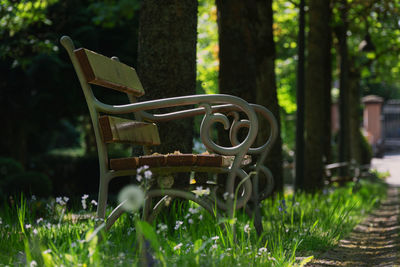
[210, 117]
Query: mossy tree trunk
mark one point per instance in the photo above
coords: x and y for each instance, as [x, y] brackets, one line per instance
[167, 62]
[316, 95]
[247, 61]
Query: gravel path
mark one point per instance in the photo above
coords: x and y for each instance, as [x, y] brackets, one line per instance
[375, 241]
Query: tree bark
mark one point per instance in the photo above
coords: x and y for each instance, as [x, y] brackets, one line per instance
[317, 81]
[354, 115]
[344, 135]
[299, 156]
[247, 64]
[167, 62]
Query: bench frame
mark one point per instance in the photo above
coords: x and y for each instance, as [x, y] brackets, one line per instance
[213, 108]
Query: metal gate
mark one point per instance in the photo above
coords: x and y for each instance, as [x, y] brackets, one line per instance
[391, 123]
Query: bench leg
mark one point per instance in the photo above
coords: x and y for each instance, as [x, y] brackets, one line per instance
[102, 200]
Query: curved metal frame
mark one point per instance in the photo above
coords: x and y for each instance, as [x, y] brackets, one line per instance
[212, 107]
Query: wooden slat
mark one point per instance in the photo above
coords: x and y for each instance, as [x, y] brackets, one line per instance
[115, 129]
[104, 71]
[172, 160]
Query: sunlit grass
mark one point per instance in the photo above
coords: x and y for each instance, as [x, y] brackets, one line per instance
[184, 234]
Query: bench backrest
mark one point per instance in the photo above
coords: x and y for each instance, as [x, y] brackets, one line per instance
[106, 72]
[94, 68]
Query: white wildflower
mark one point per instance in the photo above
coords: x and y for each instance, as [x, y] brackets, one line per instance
[141, 169]
[214, 246]
[94, 202]
[48, 225]
[73, 245]
[148, 174]
[139, 178]
[39, 220]
[161, 228]
[178, 224]
[35, 231]
[247, 228]
[60, 201]
[28, 226]
[262, 250]
[131, 197]
[215, 238]
[193, 210]
[33, 198]
[47, 251]
[33, 263]
[83, 201]
[66, 199]
[190, 221]
[201, 217]
[178, 246]
[85, 196]
[225, 195]
[200, 191]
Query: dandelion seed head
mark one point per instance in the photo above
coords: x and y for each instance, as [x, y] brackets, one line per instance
[131, 197]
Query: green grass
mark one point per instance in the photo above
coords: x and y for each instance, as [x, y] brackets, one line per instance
[304, 227]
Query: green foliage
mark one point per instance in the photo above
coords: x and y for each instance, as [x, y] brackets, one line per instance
[111, 13]
[207, 47]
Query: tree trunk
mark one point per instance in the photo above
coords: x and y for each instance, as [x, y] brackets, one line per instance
[247, 59]
[317, 81]
[344, 135]
[354, 115]
[236, 62]
[167, 62]
[299, 160]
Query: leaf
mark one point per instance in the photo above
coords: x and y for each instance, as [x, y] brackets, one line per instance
[148, 232]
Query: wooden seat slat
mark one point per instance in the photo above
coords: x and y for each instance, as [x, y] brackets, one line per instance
[174, 160]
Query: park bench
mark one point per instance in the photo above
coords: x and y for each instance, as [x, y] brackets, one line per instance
[109, 127]
[355, 172]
